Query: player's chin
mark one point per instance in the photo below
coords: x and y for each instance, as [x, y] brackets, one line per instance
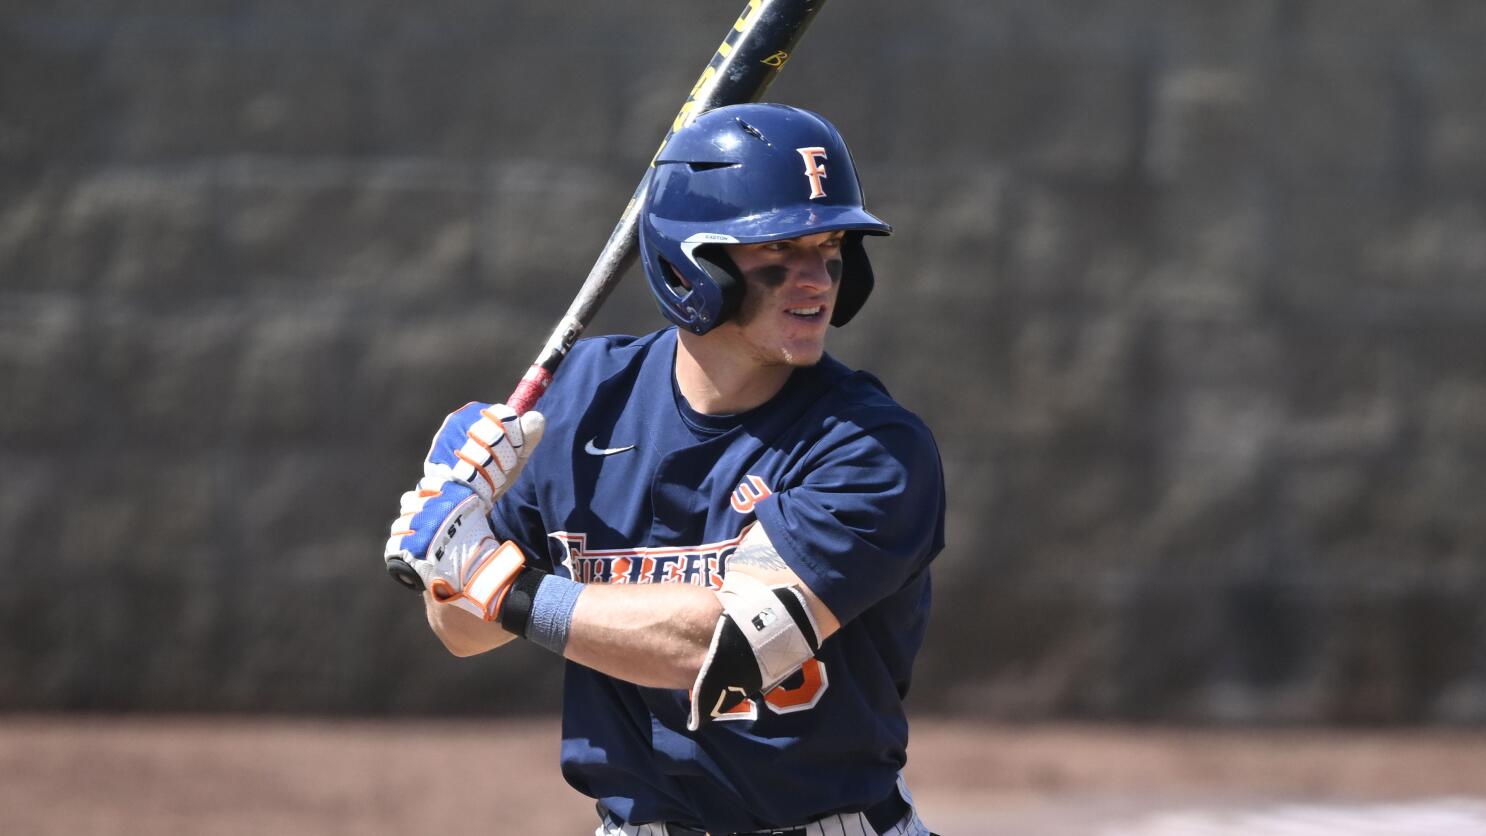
[802, 354]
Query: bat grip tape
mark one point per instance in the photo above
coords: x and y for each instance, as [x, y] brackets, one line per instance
[539, 608]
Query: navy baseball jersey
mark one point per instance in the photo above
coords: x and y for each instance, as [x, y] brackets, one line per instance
[630, 485]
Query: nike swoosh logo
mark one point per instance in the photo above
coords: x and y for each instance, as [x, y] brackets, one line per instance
[592, 450]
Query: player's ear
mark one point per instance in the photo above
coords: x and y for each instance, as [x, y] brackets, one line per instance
[676, 278]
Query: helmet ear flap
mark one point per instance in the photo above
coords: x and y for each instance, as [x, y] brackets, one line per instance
[724, 271]
[856, 279]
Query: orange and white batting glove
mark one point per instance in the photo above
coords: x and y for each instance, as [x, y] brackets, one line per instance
[444, 534]
[484, 446]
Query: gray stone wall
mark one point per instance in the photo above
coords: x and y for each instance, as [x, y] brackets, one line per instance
[1191, 293]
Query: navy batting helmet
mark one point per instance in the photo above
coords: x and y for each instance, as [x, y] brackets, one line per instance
[745, 174]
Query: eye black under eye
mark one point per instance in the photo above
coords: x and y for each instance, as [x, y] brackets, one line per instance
[770, 275]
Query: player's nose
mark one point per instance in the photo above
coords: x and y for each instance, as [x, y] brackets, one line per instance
[816, 271]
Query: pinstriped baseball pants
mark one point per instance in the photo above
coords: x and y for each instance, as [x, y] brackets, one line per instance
[851, 824]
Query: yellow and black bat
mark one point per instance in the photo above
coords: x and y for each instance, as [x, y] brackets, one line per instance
[746, 62]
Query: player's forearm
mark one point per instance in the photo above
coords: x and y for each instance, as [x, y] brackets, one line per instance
[651, 635]
[655, 636]
[461, 633]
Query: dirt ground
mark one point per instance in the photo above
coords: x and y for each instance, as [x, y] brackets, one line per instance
[203, 775]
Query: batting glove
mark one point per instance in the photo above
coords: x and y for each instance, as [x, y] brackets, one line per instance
[484, 446]
[444, 534]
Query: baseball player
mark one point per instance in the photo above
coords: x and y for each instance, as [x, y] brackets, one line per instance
[726, 532]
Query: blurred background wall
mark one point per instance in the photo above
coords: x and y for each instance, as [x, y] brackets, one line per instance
[1190, 291]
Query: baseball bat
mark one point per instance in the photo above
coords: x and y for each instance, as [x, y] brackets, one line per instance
[752, 53]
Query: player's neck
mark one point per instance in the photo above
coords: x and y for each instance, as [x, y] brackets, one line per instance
[717, 379]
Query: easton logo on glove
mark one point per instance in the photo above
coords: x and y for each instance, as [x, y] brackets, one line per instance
[448, 535]
[461, 563]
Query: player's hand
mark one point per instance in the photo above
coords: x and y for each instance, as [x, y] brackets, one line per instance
[444, 534]
[485, 446]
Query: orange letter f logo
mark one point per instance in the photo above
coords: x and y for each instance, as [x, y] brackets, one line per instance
[813, 169]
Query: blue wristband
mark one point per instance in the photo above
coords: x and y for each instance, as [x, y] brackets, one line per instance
[552, 612]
